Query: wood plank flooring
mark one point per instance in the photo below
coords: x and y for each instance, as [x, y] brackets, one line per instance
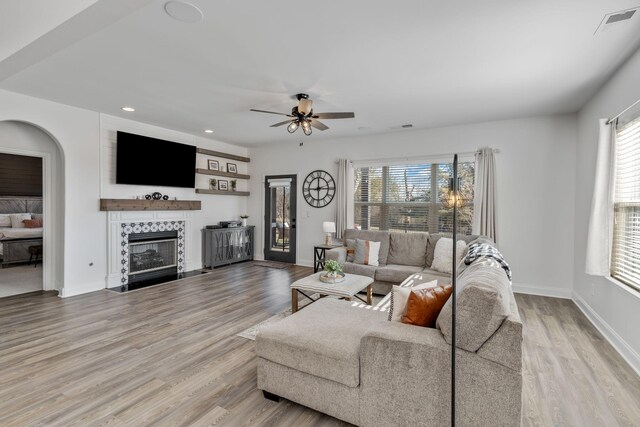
[168, 355]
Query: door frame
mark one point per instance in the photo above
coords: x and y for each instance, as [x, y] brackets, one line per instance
[262, 209]
[48, 268]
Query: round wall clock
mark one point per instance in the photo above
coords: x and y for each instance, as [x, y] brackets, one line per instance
[318, 189]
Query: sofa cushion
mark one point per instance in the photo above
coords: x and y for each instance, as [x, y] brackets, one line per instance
[374, 236]
[366, 252]
[443, 256]
[395, 273]
[483, 303]
[433, 240]
[361, 269]
[424, 305]
[323, 340]
[408, 248]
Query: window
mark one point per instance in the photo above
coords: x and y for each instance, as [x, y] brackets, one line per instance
[409, 197]
[625, 255]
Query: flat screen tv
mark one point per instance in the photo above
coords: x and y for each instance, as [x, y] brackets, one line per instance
[141, 160]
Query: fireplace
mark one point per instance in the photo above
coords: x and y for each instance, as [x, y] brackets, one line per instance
[152, 255]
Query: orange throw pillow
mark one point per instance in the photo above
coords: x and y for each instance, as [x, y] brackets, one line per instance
[424, 305]
[32, 223]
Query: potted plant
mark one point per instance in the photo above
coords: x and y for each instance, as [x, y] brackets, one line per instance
[244, 218]
[333, 268]
[234, 184]
[213, 184]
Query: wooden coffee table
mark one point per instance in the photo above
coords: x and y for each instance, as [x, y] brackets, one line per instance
[347, 289]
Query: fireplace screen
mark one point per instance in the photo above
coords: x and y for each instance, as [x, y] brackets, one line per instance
[151, 256]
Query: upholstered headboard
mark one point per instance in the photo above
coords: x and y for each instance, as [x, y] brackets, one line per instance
[10, 205]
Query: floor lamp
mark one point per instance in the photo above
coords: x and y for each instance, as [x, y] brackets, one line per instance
[454, 195]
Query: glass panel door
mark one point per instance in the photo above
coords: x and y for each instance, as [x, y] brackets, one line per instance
[280, 221]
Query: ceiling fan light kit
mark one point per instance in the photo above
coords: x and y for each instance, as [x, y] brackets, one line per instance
[302, 116]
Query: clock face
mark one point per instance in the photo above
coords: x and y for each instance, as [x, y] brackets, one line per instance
[318, 189]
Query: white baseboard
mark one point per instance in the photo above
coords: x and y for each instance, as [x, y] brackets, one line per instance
[521, 288]
[616, 341]
[67, 291]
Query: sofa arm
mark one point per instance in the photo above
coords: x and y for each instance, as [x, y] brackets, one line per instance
[404, 376]
[337, 254]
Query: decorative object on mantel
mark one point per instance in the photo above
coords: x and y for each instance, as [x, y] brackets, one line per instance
[213, 184]
[232, 168]
[213, 165]
[318, 188]
[244, 218]
[156, 195]
[149, 205]
[165, 197]
[223, 185]
[328, 228]
[147, 196]
[234, 184]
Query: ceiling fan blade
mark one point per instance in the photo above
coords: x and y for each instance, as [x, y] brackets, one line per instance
[281, 123]
[319, 125]
[270, 112]
[334, 116]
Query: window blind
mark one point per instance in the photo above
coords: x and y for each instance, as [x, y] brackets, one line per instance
[625, 254]
[409, 197]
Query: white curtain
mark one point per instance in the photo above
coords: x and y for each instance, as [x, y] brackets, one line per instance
[344, 195]
[484, 195]
[601, 221]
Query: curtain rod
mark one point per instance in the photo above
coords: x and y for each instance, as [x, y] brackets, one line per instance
[398, 159]
[613, 119]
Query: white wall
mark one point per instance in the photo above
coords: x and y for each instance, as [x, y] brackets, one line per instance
[24, 139]
[77, 133]
[215, 208]
[614, 308]
[536, 177]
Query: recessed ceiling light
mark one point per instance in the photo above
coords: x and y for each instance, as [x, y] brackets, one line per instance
[208, 131]
[128, 109]
[183, 11]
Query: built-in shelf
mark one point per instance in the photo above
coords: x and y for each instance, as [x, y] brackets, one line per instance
[149, 205]
[223, 155]
[220, 173]
[222, 192]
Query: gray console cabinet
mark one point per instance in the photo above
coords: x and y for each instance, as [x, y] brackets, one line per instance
[224, 246]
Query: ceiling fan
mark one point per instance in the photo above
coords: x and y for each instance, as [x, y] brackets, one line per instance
[302, 115]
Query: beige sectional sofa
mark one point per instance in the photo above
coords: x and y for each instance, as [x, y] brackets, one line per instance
[349, 361]
[400, 256]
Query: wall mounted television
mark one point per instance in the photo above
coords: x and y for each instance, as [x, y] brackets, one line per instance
[141, 160]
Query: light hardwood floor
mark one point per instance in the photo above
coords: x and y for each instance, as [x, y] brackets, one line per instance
[168, 355]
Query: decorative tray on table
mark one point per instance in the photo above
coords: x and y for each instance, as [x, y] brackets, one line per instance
[324, 277]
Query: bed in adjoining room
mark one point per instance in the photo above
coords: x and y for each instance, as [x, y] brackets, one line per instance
[21, 228]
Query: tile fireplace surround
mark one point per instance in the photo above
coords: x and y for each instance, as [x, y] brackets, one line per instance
[122, 224]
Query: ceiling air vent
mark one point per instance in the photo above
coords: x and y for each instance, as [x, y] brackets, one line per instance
[407, 126]
[616, 20]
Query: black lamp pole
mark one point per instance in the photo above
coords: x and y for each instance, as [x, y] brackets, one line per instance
[455, 189]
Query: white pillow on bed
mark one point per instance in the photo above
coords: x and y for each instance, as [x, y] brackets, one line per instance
[16, 219]
[5, 220]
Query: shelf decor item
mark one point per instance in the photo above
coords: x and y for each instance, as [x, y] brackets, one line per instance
[223, 185]
[156, 195]
[213, 165]
[213, 184]
[232, 168]
[244, 218]
[234, 184]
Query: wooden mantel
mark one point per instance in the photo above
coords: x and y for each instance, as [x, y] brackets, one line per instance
[149, 205]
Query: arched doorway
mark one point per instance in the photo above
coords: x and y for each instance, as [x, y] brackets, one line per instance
[26, 139]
